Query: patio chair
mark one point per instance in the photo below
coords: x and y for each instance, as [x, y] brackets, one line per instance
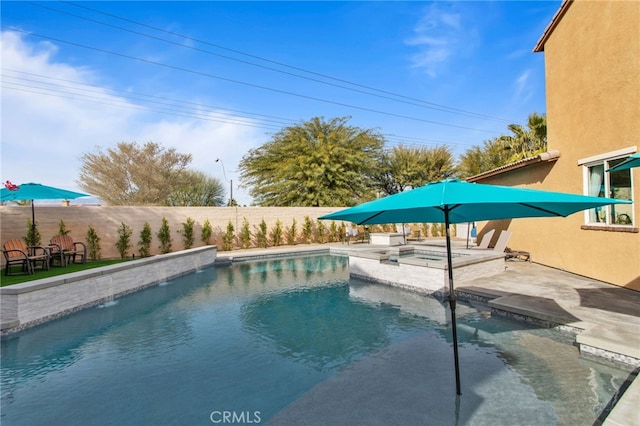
[17, 253]
[68, 251]
[511, 254]
[351, 233]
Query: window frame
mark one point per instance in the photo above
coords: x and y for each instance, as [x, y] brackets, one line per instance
[604, 160]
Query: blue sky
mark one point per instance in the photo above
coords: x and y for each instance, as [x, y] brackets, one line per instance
[216, 79]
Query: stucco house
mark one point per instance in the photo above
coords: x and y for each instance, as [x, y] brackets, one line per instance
[592, 68]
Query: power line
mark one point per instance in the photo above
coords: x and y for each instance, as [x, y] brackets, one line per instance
[204, 74]
[379, 93]
[391, 139]
[134, 107]
[134, 96]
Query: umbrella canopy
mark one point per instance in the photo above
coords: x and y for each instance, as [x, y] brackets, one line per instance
[36, 191]
[454, 201]
[632, 161]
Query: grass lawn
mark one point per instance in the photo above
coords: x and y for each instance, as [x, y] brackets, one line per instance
[54, 271]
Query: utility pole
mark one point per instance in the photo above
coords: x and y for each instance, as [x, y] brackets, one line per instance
[230, 183]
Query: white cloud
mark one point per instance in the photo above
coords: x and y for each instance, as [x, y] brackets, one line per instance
[43, 136]
[523, 90]
[438, 36]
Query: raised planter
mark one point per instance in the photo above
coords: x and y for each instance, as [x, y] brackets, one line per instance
[31, 303]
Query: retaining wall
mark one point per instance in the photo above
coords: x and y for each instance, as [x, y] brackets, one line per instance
[31, 303]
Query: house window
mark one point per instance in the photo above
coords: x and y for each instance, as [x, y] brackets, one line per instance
[609, 184]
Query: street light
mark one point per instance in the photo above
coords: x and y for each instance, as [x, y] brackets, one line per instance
[230, 182]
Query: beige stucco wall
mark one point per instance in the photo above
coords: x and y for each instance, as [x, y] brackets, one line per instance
[592, 61]
[107, 219]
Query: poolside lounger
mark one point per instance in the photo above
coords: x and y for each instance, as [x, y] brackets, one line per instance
[486, 239]
[503, 239]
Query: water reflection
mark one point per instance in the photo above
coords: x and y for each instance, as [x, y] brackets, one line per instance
[135, 326]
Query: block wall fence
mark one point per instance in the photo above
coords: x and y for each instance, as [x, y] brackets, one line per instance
[107, 219]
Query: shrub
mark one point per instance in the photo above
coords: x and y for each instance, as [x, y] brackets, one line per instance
[144, 245]
[261, 235]
[93, 244]
[62, 228]
[245, 234]
[187, 233]
[164, 236]
[33, 235]
[206, 233]
[227, 238]
[334, 232]
[276, 234]
[425, 230]
[124, 240]
[307, 230]
[291, 233]
[321, 230]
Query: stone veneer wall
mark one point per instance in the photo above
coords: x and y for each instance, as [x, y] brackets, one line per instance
[107, 219]
[431, 280]
[27, 304]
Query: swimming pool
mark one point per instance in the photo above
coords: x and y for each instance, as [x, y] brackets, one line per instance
[283, 340]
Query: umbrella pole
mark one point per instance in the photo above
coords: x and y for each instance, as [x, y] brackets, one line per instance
[33, 218]
[452, 302]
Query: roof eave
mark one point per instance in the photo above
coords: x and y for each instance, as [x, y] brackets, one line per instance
[552, 25]
[544, 157]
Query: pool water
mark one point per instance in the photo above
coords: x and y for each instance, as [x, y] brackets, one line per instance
[271, 341]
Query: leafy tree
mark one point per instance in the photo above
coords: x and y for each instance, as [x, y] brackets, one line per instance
[314, 163]
[406, 168]
[521, 143]
[133, 175]
[481, 159]
[207, 231]
[144, 244]
[187, 233]
[93, 244]
[164, 236]
[123, 244]
[197, 189]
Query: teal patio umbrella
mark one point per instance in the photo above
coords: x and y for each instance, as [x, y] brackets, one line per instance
[36, 191]
[632, 161]
[454, 201]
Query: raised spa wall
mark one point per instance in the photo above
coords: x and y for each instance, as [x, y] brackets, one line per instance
[31, 303]
[426, 276]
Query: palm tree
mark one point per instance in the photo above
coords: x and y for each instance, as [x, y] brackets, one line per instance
[527, 142]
